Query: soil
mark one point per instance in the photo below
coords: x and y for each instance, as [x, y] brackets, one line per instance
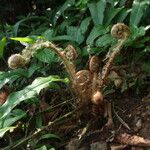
[130, 131]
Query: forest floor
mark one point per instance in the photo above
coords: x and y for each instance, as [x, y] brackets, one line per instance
[131, 128]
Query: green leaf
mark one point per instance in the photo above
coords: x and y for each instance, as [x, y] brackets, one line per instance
[138, 9]
[75, 33]
[63, 38]
[105, 40]
[2, 45]
[97, 11]
[12, 118]
[33, 67]
[39, 121]
[22, 39]
[28, 92]
[5, 77]
[122, 15]
[110, 13]
[4, 130]
[96, 32]
[45, 55]
[17, 25]
[84, 25]
[147, 49]
[135, 33]
[49, 136]
[48, 34]
[122, 2]
[42, 148]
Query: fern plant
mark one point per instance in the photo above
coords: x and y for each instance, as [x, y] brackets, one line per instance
[86, 25]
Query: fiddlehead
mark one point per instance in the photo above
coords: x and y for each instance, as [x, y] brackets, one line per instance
[70, 53]
[15, 61]
[121, 32]
[82, 83]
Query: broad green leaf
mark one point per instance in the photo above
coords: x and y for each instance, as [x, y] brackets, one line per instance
[75, 33]
[5, 77]
[97, 11]
[63, 38]
[82, 4]
[2, 45]
[110, 13]
[48, 34]
[84, 25]
[17, 25]
[96, 32]
[28, 92]
[4, 130]
[135, 33]
[122, 2]
[45, 55]
[105, 40]
[12, 118]
[33, 67]
[122, 15]
[138, 8]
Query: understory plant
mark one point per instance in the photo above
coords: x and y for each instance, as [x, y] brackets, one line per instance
[78, 35]
[87, 84]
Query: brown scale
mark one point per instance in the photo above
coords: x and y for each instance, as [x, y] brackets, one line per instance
[120, 31]
[98, 110]
[82, 83]
[70, 53]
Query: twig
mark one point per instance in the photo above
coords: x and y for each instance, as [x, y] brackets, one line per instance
[121, 120]
[84, 131]
[51, 108]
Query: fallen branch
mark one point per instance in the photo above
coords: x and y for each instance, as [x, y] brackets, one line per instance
[133, 140]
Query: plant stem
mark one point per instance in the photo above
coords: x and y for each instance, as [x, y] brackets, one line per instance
[107, 67]
[52, 108]
[66, 63]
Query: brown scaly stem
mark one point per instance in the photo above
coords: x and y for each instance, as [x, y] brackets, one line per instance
[121, 32]
[20, 60]
[68, 66]
[107, 67]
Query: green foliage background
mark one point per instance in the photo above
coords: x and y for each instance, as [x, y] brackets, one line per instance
[85, 24]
